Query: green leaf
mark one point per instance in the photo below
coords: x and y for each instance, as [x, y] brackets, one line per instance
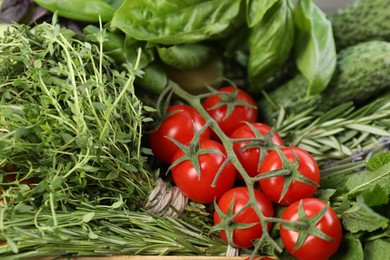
[56, 183]
[131, 46]
[9, 110]
[378, 160]
[256, 9]
[12, 245]
[154, 79]
[325, 194]
[271, 42]
[175, 22]
[186, 56]
[360, 217]
[359, 182]
[88, 217]
[369, 129]
[21, 208]
[377, 249]
[314, 47]
[350, 248]
[99, 106]
[374, 197]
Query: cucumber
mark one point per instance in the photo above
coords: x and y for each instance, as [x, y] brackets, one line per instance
[360, 21]
[362, 71]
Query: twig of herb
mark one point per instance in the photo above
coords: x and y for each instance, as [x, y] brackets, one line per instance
[337, 133]
[71, 126]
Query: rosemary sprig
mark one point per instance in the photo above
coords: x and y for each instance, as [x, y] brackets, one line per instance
[339, 132]
[103, 231]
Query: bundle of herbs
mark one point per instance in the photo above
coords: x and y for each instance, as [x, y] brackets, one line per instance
[74, 174]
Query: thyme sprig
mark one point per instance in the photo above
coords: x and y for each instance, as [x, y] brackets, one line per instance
[71, 125]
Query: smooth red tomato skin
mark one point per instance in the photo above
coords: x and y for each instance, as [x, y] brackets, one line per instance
[200, 189]
[249, 158]
[243, 238]
[239, 115]
[179, 126]
[273, 187]
[314, 247]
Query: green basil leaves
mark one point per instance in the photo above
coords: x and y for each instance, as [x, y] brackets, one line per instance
[175, 22]
[314, 47]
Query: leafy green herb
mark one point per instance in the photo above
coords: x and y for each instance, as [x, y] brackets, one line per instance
[270, 42]
[186, 56]
[72, 125]
[315, 48]
[168, 22]
[360, 217]
[256, 10]
[363, 181]
[378, 160]
[377, 249]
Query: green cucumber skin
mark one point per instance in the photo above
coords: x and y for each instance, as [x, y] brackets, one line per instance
[360, 21]
[362, 72]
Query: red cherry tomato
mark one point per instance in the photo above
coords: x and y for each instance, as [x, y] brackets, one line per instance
[240, 113]
[179, 125]
[313, 247]
[249, 157]
[243, 238]
[199, 187]
[297, 190]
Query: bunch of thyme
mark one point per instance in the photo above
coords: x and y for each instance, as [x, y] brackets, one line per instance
[71, 130]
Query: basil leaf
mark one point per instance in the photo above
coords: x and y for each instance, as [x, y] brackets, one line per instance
[154, 78]
[256, 10]
[315, 48]
[186, 56]
[131, 46]
[271, 43]
[175, 22]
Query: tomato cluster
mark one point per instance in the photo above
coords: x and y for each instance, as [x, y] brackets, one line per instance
[284, 176]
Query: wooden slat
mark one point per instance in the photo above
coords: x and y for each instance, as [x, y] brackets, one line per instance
[159, 258]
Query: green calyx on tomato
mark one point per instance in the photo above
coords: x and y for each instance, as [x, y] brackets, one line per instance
[252, 142]
[202, 170]
[192, 151]
[230, 107]
[230, 100]
[313, 231]
[180, 124]
[236, 219]
[309, 227]
[289, 174]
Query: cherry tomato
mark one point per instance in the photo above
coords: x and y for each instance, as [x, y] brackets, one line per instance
[217, 106]
[313, 247]
[179, 125]
[249, 157]
[243, 237]
[307, 168]
[199, 187]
